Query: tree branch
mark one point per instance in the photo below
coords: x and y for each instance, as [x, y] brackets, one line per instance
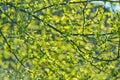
[77, 2]
[11, 51]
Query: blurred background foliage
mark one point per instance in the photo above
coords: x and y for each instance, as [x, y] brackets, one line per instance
[59, 40]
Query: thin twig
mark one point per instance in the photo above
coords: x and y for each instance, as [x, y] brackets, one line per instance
[10, 48]
[80, 51]
[77, 2]
[11, 51]
[108, 60]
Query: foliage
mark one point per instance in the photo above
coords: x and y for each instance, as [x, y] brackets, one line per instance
[58, 40]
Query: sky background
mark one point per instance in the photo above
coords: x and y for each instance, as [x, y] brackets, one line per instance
[108, 5]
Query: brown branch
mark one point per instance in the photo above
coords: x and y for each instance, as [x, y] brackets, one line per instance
[10, 48]
[11, 51]
[51, 26]
[75, 34]
[108, 60]
[80, 51]
[97, 67]
[118, 53]
[84, 17]
[119, 41]
[77, 2]
[48, 24]
[45, 7]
